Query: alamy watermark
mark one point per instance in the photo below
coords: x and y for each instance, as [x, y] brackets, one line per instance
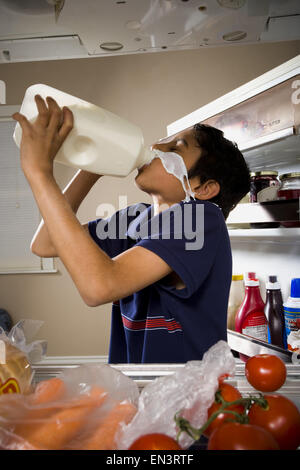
[178, 222]
[296, 94]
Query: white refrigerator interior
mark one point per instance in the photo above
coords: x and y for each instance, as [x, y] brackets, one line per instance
[270, 107]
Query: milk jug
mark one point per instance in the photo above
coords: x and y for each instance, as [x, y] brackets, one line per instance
[100, 141]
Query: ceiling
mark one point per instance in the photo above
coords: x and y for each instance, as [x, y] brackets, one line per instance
[33, 30]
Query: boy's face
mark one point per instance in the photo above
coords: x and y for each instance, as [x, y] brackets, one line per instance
[156, 181]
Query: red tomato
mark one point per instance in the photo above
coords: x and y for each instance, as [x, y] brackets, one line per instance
[155, 441]
[229, 393]
[237, 436]
[265, 372]
[281, 419]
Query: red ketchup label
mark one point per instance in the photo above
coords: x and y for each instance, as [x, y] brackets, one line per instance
[255, 325]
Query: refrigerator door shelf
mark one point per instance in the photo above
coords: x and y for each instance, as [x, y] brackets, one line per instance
[252, 346]
[269, 211]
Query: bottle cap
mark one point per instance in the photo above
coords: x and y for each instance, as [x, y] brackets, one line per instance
[237, 277]
[273, 284]
[251, 282]
[251, 275]
[295, 287]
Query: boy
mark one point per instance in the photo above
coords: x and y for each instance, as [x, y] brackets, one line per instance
[169, 297]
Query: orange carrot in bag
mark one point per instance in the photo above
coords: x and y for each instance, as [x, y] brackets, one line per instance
[48, 391]
[63, 425]
[103, 437]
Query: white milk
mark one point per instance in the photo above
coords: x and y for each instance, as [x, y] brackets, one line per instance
[174, 164]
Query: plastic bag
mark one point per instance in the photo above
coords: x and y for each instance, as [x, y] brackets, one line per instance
[16, 355]
[190, 391]
[80, 409]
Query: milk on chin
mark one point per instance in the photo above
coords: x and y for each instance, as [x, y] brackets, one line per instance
[174, 164]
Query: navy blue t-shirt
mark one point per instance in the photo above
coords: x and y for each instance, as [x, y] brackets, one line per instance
[162, 323]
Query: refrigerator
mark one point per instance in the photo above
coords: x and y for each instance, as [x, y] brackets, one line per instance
[263, 118]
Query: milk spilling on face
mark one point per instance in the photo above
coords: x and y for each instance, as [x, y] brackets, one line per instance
[100, 141]
[174, 164]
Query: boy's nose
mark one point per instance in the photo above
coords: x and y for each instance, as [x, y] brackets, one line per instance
[160, 146]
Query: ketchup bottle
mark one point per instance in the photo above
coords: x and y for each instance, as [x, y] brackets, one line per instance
[250, 319]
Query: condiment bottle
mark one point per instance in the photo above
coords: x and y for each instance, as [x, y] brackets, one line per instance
[100, 141]
[274, 313]
[291, 310]
[236, 296]
[250, 318]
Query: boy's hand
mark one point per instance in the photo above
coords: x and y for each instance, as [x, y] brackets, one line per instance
[42, 139]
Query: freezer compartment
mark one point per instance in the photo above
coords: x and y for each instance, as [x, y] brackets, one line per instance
[265, 114]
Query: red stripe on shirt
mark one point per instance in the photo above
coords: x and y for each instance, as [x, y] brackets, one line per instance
[151, 324]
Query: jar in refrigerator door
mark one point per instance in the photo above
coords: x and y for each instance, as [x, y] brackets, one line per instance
[264, 186]
[260, 180]
[290, 189]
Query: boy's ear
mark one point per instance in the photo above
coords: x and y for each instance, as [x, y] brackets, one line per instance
[207, 190]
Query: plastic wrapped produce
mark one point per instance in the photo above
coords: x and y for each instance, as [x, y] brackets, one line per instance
[16, 355]
[190, 391]
[81, 409]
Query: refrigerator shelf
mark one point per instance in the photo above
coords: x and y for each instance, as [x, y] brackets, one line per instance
[284, 211]
[281, 235]
[274, 151]
[143, 374]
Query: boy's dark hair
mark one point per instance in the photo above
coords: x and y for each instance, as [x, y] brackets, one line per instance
[221, 161]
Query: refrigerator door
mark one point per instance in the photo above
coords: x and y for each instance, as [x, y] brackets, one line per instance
[252, 346]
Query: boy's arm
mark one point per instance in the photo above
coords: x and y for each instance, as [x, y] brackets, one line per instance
[74, 193]
[98, 278]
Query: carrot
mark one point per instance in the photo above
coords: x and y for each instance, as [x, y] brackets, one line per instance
[63, 425]
[103, 437]
[48, 391]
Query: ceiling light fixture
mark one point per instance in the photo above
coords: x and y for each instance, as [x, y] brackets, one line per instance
[111, 46]
[233, 4]
[134, 25]
[235, 36]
